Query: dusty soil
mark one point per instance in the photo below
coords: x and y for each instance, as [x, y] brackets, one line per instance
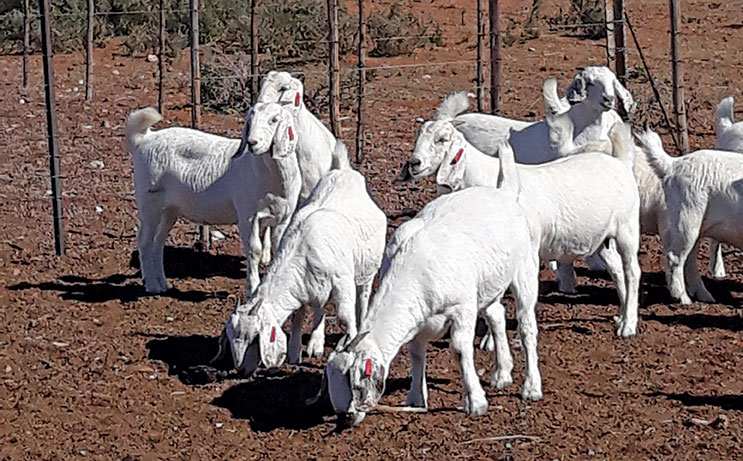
[92, 367]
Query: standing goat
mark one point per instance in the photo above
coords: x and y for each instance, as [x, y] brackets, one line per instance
[316, 147]
[704, 197]
[332, 249]
[593, 95]
[569, 219]
[457, 257]
[729, 137]
[181, 172]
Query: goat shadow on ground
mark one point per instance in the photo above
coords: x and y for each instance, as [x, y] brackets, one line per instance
[180, 263]
[112, 287]
[188, 262]
[585, 294]
[726, 402]
[732, 323]
[653, 290]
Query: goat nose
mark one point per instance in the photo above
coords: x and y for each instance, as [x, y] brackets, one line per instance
[252, 142]
[414, 162]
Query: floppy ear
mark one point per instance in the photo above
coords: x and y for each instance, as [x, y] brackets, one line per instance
[286, 139]
[272, 342]
[627, 102]
[577, 90]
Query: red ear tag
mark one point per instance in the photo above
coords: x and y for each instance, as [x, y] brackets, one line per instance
[457, 157]
[297, 99]
[368, 367]
[291, 134]
[273, 334]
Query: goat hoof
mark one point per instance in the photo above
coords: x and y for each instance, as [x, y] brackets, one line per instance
[501, 379]
[531, 391]
[315, 348]
[487, 343]
[475, 405]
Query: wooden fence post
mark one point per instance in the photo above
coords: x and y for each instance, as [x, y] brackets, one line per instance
[196, 97]
[26, 40]
[334, 88]
[362, 82]
[89, 53]
[253, 53]
[495, 58]
[679, 108]
[161, 58]
[51, 125]
[620, 46]
[479, 77]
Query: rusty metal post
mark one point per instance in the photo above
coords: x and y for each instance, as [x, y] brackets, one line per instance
[89, 53]
[161, 58]
[620, 42]
[26, 40]
[609, 27]
[334, 88]
[495, 57]
[362, 82]
[679, 108]
[253, 52]
[196, 97]
[479, 77]
[51, 125]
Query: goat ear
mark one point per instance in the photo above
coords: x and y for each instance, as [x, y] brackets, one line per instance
[577, 90]
[272, 341]
[628, 104]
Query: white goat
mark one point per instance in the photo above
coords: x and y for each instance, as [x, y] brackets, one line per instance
[332, 249]
[457, 257]
[566, 214]
[316, 146]
[180, 172]
[729, 137]
[593, 93]
[704, 196]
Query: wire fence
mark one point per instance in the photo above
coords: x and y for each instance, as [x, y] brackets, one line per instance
[394, 86]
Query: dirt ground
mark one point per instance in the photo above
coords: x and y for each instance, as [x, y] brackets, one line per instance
[92, 367]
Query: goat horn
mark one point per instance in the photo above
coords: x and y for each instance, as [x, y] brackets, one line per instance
[355, 341]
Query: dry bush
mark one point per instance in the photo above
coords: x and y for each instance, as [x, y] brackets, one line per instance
[583, 12]
[399, 31]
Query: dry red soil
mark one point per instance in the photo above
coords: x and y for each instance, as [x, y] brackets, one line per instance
[92, 367]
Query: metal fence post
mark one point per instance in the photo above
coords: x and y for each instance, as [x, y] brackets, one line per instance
[334, 88]
[495, 58]
[679, 108]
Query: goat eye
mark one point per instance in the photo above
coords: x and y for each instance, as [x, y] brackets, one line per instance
[274, 120]
[283, 88]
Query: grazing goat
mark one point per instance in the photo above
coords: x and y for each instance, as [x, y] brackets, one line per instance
[729, 137]
[456, 258]
[568, 217]
[180, 172]
[704, 198]
[332, 249]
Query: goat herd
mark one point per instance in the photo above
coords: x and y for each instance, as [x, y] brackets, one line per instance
[514, 193]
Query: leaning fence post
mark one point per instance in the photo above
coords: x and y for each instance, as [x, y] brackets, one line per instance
[495, 59]
[51, 124]
[479, 78]
[620, 47]
[196, 97]
[89, 53]
[334, 88]
[26, 40]
[679, 108]
[161, 57]
[362, 81]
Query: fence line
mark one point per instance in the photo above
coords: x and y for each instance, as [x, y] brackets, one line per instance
[614, 22]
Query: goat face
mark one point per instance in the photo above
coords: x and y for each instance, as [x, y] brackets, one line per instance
[356, 382]
[282, 88]
[272, 341]
[265, 119]
[599, 86]
[241, 330]
[433, 143]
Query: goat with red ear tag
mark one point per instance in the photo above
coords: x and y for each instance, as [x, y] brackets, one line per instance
[480, 234]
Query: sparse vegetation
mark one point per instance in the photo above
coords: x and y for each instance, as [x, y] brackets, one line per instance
[588, 12]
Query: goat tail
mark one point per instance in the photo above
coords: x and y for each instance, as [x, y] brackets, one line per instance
[658, 159]
[140, 121]
[340, 157]
[725, 117]
[508, 179]
[454, 104]
[553, 105]
[622, 147]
